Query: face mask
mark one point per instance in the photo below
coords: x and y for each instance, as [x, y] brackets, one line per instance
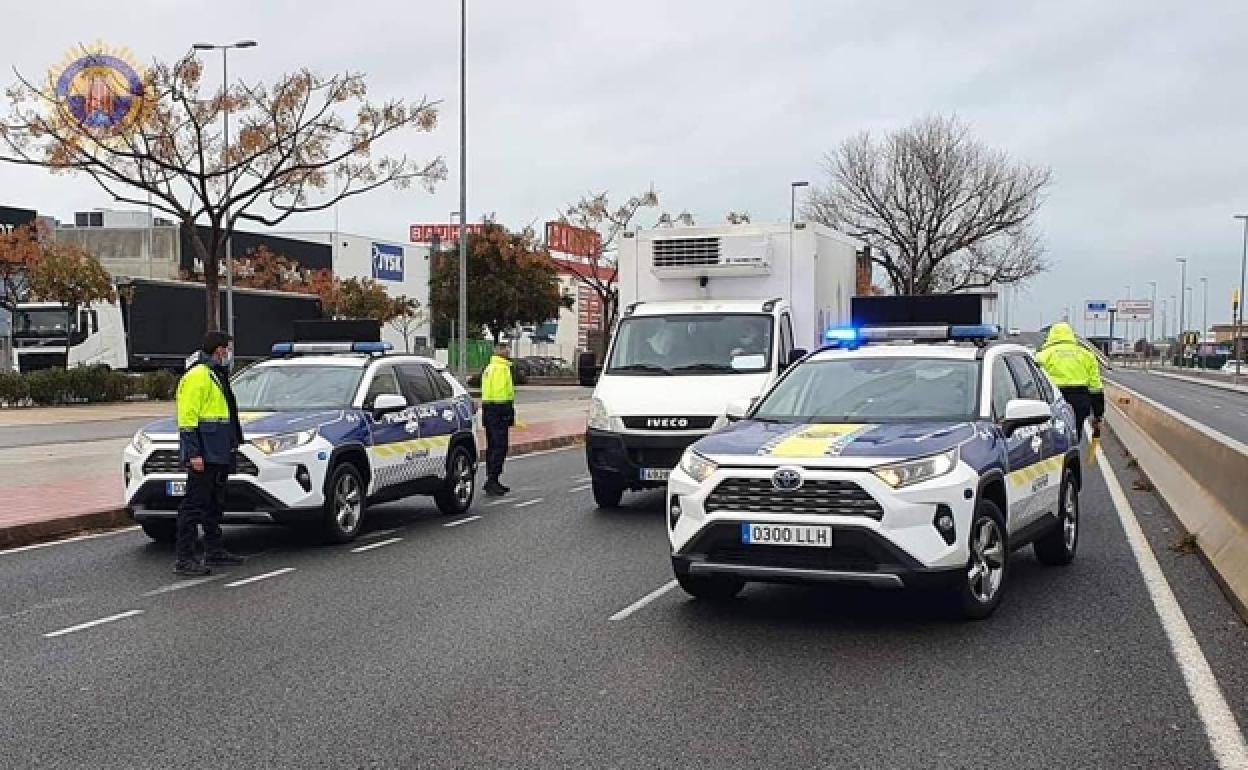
[227, 361]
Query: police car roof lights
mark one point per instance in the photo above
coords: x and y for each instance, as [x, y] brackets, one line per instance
[312, 348]
[850, 337]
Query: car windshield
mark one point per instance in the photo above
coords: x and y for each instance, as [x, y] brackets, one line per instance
[692, 344]
[287, 388]
[874, 389]
[51, 322]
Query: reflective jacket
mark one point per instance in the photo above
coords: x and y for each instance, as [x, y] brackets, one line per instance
[496, 384]
[207, 425]
[1068, 363]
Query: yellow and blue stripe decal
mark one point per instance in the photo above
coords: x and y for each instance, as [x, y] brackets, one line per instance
[250, 417]
[413, 445]
[822, 440]
[1030, 473]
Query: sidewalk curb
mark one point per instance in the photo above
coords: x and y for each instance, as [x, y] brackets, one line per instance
[44, 531]
[1202, 381]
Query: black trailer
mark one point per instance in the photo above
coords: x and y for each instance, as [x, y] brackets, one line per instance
[165, 320]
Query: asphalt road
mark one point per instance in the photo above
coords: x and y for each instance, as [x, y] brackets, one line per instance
[1223, 410]
[488, 642]
[96, 430]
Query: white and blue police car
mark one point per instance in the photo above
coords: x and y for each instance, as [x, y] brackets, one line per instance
[895, 457]
[329, 428]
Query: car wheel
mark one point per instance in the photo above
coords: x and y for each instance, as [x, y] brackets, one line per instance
[344, 504]
[711, 588]
[461, 483]
[607, 495]
[983, 582]
[161, 530]
[1058, 547]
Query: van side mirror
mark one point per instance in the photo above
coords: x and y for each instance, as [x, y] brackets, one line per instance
[1021, 412]
[739, 408]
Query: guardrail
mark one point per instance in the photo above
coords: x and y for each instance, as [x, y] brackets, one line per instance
[1201, 473]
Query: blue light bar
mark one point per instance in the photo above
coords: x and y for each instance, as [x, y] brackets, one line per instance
[972, 332]
[371, 347]
[290, 348]
[850, 337]
[283, 348]
[841, 335]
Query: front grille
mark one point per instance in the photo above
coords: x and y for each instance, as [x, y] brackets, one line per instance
[34, 362]
[816, 497]
[170, 461]
[668, 422]
[840, 558]
[686, 252]
[654, 457]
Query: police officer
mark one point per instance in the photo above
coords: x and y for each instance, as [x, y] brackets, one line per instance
[209, 431]
[498, 397]
[1076, 372]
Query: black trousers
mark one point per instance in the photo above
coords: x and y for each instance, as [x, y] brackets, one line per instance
[203, 506]
[498, 419]
[1085, 403]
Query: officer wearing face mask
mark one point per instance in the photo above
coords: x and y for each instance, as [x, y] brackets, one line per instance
[209, 431]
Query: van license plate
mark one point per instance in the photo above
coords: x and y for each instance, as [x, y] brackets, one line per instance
[655, 474]
[786, 534]
[175, 489]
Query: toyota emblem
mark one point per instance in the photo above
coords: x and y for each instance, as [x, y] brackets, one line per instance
[787, 479]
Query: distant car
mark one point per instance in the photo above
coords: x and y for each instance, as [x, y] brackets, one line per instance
[1015, 332]
[1229, 367]
[329, 428]
[890, 466]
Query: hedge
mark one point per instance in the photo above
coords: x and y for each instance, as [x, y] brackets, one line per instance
[92, 385]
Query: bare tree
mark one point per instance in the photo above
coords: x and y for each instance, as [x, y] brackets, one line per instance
[301, 145]
[941, 211]
[410, 320]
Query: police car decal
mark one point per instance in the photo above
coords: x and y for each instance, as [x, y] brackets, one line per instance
[814, 440]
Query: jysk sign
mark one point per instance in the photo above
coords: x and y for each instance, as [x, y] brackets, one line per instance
[387, 262]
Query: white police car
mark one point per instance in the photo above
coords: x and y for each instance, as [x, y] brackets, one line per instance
[329, 428]
[887, 465]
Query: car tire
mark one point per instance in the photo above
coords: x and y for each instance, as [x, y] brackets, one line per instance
[710, 588]
[345, 503]
[1058, 548]
[608, 495]
[161, 530]
[984, 580]
[461, 483]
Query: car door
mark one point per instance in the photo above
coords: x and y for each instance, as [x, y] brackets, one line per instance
[435, 416]
[1019, 448]
[1042, 475]
[393, 434]
[1059, 438]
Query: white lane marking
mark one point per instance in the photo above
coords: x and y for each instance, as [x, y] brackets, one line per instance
[583, 478]
[1225, 738]
[379, 533]
[580, 488]
[93, 536]
[643, 601]
[1243, 414]
[460, 521]
[497, 503]
[527, 503]
[182, 584]
[378, 544]
[255, 578]
[92, 624]
[544, 452]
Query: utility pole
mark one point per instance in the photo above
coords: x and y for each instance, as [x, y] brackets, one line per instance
[463, 190]
[1152, 321]
[1204, 323]
[1182, 303]
[1238, 309]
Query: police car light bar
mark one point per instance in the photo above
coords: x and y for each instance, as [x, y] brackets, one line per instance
[292, 348]
[850, 337]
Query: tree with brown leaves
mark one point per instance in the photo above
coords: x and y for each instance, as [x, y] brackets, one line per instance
[302, 145]
[941, 211]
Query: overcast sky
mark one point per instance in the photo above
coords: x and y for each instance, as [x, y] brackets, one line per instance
[1138, 107]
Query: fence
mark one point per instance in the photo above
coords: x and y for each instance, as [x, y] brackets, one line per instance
[478, 354]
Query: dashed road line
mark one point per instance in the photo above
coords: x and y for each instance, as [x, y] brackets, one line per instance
[256, 578]
[92, 624]
[378, 544]
[580, 488]
[497, 503]
[1225, 738]
[182, 584]
[527, 503]
[544, 452]
[66, 541]
[379, 533]
[643, 601]
[460, 521]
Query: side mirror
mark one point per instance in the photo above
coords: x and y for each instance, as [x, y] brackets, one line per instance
[795, 355]
[1021, 412]
[388, 403]
[739, 408]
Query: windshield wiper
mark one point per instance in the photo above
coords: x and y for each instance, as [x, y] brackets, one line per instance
[640, 368]
[704, 368]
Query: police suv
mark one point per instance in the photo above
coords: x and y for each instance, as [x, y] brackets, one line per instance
[329, 428]
[894, 457]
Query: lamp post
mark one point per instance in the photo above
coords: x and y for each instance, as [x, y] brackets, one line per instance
[793, 220]
[1152, 321]
[1239, 305]
[225, 161]
[1204, 320]
[1182, 303]
[463, 190]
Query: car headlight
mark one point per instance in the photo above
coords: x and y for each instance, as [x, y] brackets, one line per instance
[598, 419]
[915, 471]
[141, 442]
[696, 466]
[271, 445]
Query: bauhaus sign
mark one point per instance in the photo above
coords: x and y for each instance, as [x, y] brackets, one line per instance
[568, 239]
[441, 232]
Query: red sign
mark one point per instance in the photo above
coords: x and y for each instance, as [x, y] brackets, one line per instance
[447, 232]
[569, 239]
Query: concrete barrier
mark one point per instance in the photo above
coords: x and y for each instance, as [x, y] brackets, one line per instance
[1201, 473]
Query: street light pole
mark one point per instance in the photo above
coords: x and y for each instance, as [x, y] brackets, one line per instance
[793, 220]
[1152, 321]
[1182, 302]
[1204, 321]
[225, 162]
[463, 190]
[1239, 306]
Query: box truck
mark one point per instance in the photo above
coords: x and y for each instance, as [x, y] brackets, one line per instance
[154, 324]
[708, 316]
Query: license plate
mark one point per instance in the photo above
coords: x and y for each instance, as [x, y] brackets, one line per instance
[655, 474]
[175, 489]
[786, 534]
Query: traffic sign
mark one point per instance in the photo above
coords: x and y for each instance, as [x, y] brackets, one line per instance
[1135, 309]
[1096, 310]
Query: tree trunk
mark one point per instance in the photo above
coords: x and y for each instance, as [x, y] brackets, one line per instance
[212, 298]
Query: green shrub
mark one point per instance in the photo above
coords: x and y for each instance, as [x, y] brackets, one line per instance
[13, 388]
[48, 387]
[157, 386]
[96, 385]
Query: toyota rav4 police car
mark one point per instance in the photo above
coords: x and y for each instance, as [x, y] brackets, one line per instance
[921, 464]
[329, 428]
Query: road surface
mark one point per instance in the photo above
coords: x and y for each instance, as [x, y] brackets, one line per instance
[473, 642]
[1226, 411]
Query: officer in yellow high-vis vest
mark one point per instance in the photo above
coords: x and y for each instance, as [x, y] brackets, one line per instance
[1075, 372]
[209, 431]
[498, 413]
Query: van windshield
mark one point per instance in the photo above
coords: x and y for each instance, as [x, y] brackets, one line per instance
[704, 343]
[47, 322]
